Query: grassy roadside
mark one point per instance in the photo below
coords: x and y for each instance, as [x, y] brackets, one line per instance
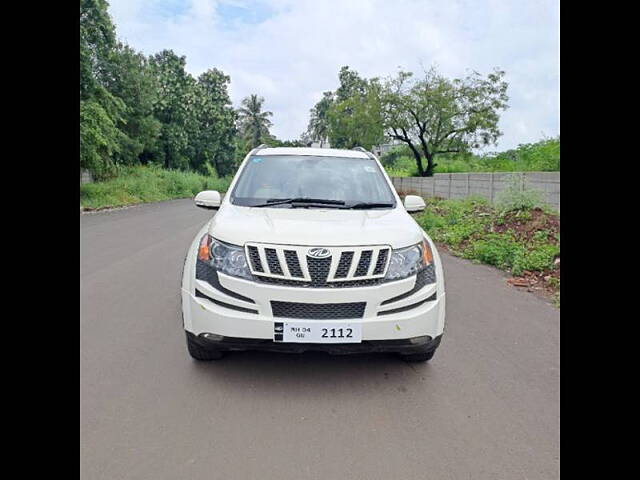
[142, 184]
[524, 241]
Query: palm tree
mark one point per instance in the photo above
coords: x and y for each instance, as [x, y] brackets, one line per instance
[318, 128]
[254, 123]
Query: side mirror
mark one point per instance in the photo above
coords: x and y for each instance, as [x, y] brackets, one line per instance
[208, 199]
[414, 203]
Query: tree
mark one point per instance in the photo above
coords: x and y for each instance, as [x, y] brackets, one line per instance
[254, 123]
[275, 142]
[174, 108]
[97, 39]
[349, 117]
[217, 123]
[128, 76]
[100, 111]
[318, 128]
[100, 139]
[351, 84]
[434, 115]
[357, 120]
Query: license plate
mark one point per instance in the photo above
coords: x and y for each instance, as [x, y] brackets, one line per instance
[317, 332]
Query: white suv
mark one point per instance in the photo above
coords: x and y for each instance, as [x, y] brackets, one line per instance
[312, 249]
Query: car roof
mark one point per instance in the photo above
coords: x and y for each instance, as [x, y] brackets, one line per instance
[320, 152]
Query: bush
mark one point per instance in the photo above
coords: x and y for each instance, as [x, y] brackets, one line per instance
[514, 197]
[390, 158]
[147, 184]
[537, 259]
[499, 250]
[403, 167]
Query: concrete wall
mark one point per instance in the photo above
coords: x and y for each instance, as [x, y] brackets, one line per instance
[85, 176]
[461, 185]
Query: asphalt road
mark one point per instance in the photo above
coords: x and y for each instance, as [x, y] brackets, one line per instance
[486, 406]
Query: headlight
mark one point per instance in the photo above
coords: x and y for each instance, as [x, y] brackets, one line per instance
[224, 257]
[409, 261]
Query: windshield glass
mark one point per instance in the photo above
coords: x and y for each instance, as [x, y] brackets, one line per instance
[354, 181]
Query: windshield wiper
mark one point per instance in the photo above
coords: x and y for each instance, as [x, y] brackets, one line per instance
[364, 205]
[303, 200]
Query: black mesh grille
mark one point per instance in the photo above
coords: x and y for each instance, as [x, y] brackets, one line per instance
[319, 311]
[292, 262]
[381, 261]
[318, 270]
[363, 264]
[272, 261]
[424, 277]
[254, 257]
[409, 307]
[344, 265]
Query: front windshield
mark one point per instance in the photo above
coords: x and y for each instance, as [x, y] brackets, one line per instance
[354, 181]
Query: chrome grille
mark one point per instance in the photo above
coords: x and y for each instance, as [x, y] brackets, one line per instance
[289, 264]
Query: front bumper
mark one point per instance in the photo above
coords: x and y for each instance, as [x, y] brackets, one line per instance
[210, 316]
[408, 346]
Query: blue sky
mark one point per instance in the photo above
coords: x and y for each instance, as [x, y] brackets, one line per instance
[290, 51]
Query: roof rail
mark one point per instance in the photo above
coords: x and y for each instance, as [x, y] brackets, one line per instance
[258, 148]
[364, 150]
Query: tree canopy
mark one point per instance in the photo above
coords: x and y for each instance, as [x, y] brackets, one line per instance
[138, 109]
[349, 117]
[433, 115]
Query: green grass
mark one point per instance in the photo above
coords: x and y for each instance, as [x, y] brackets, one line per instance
[144, 184]
[521, 241]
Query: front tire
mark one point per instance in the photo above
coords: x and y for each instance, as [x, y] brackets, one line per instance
[200, 353]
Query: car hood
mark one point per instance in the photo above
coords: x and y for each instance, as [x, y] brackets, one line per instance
[314, 226]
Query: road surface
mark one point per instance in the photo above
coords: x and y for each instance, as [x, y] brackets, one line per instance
[486, 407]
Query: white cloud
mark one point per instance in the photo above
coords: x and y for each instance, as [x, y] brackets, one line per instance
[290, 51]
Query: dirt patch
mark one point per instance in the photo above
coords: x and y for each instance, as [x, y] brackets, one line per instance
[546, 284]
[524, 227]
[534, 223]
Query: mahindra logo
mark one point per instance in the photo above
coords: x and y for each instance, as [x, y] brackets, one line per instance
[318, 252]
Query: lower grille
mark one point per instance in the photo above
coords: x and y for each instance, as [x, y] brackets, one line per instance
[317, 311]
